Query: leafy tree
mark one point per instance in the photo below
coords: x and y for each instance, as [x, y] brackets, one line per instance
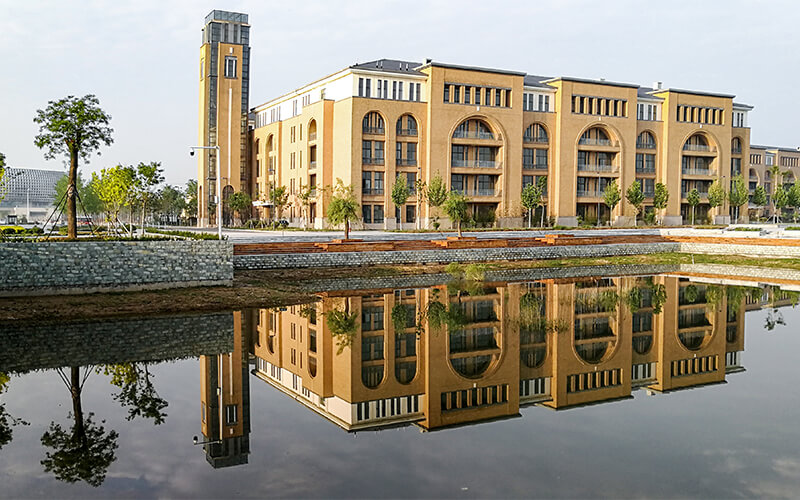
[7, 421]
[437, 193]
[779, 200]
[660, 197]
[148, 176]
[170, 202]
[658, 297]
[2, 176]
[86, 192]
[532, 198]
[307, 196]
[191, 195]
[759, 196]
[635, 197]
[137, 391]
[75, 127]
[343, 326]
[739, 195]
[84, 452]
[114, 188]
[456, 208]
[777, 182]
[421, 190]
[716, 194]
[280, 198]
[400, 194]
[611, 196]
[693, 199]
[343, 207]
[793, 199]
[240, 202]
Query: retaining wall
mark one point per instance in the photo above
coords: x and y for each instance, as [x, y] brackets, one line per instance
[45, 268]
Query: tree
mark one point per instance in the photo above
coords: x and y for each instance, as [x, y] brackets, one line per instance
[75, 127]
[86, 192]
[660, 197]
[2, 176]
[307, 195]
[280, 198]
[400, 194]
[777, 181]
[84, 452]
[191, 197]
[7, 421]
[148, 176]
[114, 188]
[343, 207]
[532, 198]
[421, 190]
[793, 199]
[170, 202]
[779, 201]
[240, 202]
[635, 197]
[611, 197]
[456, 208]
[693, 199]
[437, 193]
[738, 195]
[716, 194]
[137, 391]
[759, 196]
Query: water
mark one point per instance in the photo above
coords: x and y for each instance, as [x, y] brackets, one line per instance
[581, 388]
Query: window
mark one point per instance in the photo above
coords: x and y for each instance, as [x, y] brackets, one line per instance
[457, 93]
[230, 67]
[360, 87]
[467, 92]
[366, 213]
[231, 414]
[367, 89]
[769, 160]
[446, 92]
[377, 214]
[411, 213]
[394, 90]
[497, 97]
[400, 90]
[419, 91]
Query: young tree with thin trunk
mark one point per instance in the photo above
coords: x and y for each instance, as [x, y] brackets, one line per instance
[456, 208]
[777, 181]
[114, 188]
[738, 196]
[400, 194]
[75, 127]
[693, 199]
[635, 197]
[611, 197]
[148, 176]
[793, 200]
[191, 196]
[716, 194]
[660, 198]
[343, 207]
[421, 191]
[760, 197]
[779, 200]
[531, 198]
[240, 202]
[280, 198]
[437, 193]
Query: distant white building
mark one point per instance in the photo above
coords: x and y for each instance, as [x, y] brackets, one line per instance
[30, 193]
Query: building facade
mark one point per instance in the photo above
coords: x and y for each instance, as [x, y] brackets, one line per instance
[29, 193]
[487, 133]
[769, 167]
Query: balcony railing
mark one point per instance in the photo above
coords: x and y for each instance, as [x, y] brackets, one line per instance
[478, 192]
[475, 163]
[699, 147]
[406, 162]
[373, 130]
[372, 161]
[535, 140]
[534, 166]
[596, 167]
[312, 165]
[312, 136]
[698, 171]
[372, 191]
[472, 134]
[645, 145]
[703, 196]
[596, 142]
[407, 132]
[736, 151]
[649, 194]
[588, 193]
[646, 170]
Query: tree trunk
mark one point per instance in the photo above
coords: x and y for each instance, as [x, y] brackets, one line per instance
[530, 218]
[459, 229]
[72, 186]
[77, 410]
[693, 215]
[347, 230]
[400, 218]
[542, 216]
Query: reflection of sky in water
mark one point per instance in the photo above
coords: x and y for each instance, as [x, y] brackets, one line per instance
[737, 439]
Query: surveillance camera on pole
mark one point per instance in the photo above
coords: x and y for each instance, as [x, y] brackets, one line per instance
[219, 184]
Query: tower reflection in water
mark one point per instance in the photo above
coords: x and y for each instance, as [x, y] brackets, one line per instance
[455, 355]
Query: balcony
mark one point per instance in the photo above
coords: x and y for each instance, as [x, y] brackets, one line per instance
[373, 130]
[312, 136]
[646, 169]
[588, 193]
[372, 191]
[649, 194]
[645, 145]
[472, 134]
[406, 162]
[312, 165]
[597, 142]
[475, 163]
[535, 140]
[703, 196]
[699, 148]
[597, 167]
[407, 132]
[372, 161]
[478, 192]
[698, 171]
[534, 166]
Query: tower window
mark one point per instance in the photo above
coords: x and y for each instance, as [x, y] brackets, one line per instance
[230, 67]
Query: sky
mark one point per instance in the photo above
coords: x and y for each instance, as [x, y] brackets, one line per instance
[141, 57]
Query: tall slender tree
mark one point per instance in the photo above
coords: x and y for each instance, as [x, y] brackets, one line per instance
[148, 177]
[400, 194]
[716, 194]
[75, 127]
[437, 193]
[343, 207]
[660, 198]
[611, 197]
[738, 195]
[635, 197]
[693, 199]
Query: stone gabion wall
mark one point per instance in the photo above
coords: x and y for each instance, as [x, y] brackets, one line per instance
[345, 259]
[735, 249]
[113, 341]
[763, 274]
[95, 266]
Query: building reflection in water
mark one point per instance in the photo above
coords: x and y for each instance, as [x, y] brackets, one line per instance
[444, 356]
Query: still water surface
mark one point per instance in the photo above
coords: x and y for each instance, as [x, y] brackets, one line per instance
[628, 386]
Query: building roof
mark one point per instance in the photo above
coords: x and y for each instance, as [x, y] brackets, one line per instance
[695, 92]
[473, 68]
[594, 82]
[775, 148]
[537, 81]
[646, 93]
[390, 66]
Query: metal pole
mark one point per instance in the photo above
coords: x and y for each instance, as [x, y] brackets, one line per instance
[219, 194]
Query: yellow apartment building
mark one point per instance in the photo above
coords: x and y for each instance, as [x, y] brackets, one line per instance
[485, 132]
[762, 172]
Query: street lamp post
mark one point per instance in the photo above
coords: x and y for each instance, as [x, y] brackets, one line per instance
[219, 184]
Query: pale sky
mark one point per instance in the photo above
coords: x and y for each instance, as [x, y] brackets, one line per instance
[140, 57]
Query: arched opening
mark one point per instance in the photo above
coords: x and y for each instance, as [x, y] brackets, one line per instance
[642, 344]
[473, 128]
[598, 165]
[373, 123]
[312, 366]
[736, 146]
[594, 334]
[312, 130]
[698, 172]
[405, 371]
[536, 133]
[407, 126]
[645, 140]
[476, 155]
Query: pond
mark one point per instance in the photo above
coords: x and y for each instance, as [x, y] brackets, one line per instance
[636, 385]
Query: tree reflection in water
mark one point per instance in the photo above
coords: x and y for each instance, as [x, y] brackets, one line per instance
[7, 421]
[137, 391]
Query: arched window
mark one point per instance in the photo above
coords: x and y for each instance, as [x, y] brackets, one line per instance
[736, 146]
[373, 124]
[592, 352]
[595, 136]
[269, 144]
[642, 343]
[536, 133]
[405, 371]
[312, 130]
[473, 129]
[407, 125]
[372, 376]
[645, 140]
[697, 142]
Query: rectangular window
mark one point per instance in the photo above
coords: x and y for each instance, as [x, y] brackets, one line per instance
[230, 67]
[394, 90]
[419, 89]
[456, 94]
[366, 150]
[478, 95]
[367, 89]
[379, 151]
[400, 90]
[487, 94]
[411, 213]
[497, 97]
[411, 92]
[446, 93]
[457, 182]
[360, 87]
[377, 214]
[231, 414]
[380, 87]
[366, 213]
[366, 182]
[467, 92]
[378, 182]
